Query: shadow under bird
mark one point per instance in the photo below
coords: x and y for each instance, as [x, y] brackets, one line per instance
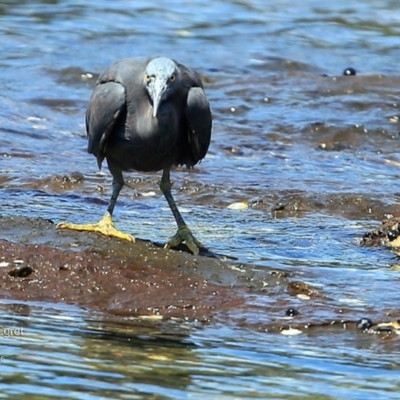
[147, 114]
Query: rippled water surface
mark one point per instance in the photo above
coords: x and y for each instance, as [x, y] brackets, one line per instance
[312, 154]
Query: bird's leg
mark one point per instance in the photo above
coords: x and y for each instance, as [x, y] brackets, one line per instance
[184, 234]
[105, 226]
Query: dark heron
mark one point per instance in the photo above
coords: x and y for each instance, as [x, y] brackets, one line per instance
[147, 114]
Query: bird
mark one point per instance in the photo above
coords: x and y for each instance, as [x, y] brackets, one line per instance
[147, 114]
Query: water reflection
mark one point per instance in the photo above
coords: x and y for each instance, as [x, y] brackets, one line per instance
[65, 352]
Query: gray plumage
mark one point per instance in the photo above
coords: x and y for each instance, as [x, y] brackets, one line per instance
[147, 114]
[120, 120]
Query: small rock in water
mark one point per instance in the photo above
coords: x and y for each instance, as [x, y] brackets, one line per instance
[349, 72]
[303, 296]
[291, 312]
[147, 194]
[392, 234]
[21, 271]
[238, 206]
[364, 323]
[291, 332]
[393, 326]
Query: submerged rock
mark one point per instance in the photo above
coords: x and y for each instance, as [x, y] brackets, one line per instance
[386, 234]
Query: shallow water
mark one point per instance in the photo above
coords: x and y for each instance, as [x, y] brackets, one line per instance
[313, 153]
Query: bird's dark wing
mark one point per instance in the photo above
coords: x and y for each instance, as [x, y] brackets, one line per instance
[198, 113]
[199, 119]
[105, 106]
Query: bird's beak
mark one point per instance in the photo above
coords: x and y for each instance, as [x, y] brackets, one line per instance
[160, 89]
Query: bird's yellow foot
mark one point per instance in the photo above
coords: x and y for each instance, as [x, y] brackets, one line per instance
[105, 226]
[184, 234]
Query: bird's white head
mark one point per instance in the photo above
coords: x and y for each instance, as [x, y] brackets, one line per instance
[162, 78]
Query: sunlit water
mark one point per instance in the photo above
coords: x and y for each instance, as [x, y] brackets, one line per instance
[285, 121]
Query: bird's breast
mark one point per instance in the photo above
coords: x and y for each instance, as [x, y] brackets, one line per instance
[148, 143]
[163, 128]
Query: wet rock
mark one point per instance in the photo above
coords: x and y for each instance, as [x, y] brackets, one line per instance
[240, 205]
[146, 282]
[291, 312]
[291, 331]
[233, 150]
[349, 72]
[123, 279]
[56, 183]
[364, 324]
[280, 274]
[387, 327]
[385, 234]
[22, 271]
[296, 288]
[333, 146]
[392, 234]
[295, 203]
[68, 181]
[115, 285]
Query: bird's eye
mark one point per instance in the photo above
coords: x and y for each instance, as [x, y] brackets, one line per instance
[148, 79]
[172, 78]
